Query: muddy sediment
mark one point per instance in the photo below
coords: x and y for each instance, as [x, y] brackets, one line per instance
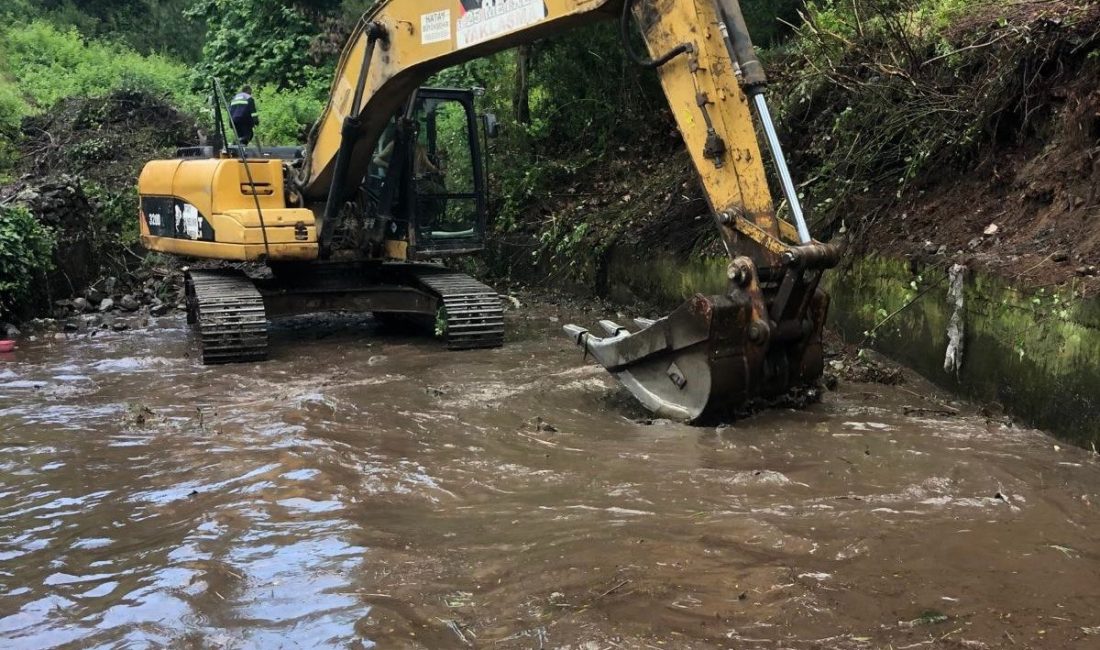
[374, 491]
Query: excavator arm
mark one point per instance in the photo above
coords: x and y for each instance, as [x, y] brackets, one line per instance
[713, 354]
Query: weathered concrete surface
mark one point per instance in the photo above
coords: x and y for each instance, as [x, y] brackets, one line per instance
[1035, 353]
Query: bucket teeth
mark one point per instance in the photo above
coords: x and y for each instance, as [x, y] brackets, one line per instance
[613, 329]
[703, 359]
[577, 333]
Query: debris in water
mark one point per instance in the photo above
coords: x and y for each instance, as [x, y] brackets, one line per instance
[457, 629]
[541, 425]
[459, 599]
[139, 414]
[927, 617]
[957, 327]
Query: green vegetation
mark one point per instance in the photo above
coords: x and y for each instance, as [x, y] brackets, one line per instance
[250, 41]
[26, 254]
[286, 115]
[48, 64]
[146, 26]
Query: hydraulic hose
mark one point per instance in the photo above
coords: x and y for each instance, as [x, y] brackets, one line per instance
[638, 59]
[247, 169]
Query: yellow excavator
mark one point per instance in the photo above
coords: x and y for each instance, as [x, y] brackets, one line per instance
[392, 181]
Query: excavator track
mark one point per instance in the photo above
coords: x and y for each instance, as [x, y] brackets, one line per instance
[228, 312]
[473, 311]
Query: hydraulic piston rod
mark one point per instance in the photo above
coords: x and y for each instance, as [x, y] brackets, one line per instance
[736, 36]
[789, 189]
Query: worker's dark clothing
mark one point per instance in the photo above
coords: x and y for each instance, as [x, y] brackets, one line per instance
[242, 110]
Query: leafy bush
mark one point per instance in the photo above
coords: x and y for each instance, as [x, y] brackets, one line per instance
[49, 65]
[26, 252]
[287, 115]
[12, 109]
[116, 211]
[12, 106]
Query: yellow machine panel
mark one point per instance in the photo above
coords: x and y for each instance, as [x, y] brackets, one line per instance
[214, 209]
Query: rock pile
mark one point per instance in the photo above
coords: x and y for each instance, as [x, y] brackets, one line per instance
[154, 293]
[62, 204]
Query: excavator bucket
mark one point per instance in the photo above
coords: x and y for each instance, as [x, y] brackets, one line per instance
[711, 356]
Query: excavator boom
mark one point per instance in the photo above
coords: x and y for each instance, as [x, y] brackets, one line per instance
[715, 353]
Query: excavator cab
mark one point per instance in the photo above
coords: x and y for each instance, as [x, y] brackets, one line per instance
[428, 171]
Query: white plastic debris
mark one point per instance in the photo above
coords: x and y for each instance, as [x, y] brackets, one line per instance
[956, 328]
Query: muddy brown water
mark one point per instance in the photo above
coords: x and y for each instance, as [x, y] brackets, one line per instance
[361, 491]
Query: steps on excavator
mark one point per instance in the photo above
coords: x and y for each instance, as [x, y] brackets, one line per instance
[228, 312]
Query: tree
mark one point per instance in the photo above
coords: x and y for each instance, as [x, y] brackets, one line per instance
[521, 94]
[260, 42]
[148, 26]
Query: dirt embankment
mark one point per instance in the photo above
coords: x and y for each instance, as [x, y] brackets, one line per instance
[77, 172]
[980, 145]
[1025, 204]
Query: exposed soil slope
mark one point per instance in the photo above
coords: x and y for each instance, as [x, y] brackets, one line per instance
[1011, 183]
[1026, 205]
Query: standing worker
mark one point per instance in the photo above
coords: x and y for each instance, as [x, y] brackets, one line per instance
[242, 110]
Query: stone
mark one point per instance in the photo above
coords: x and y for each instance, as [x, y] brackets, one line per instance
[93, 295]
[81, 305]
[119, 326]
[160, 308]
[1088, 270]
[9, 331]
[991, 229]
[72, 325]
[129, 303]
[1060, 256]
[106, 304]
